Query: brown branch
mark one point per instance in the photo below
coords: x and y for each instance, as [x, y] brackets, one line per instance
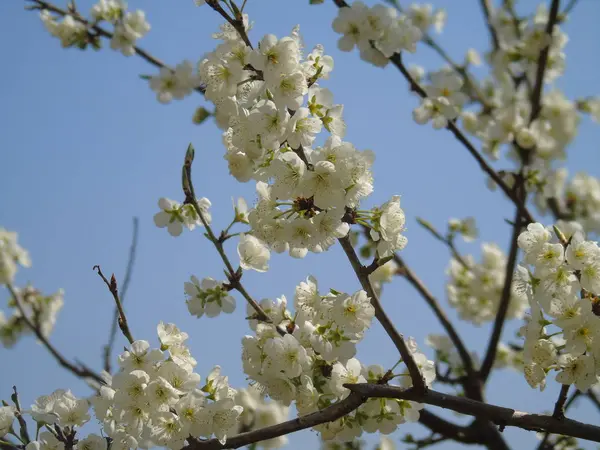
[501, 416]
[233, 275]
[113, 327]
[445, 240]
[390, 329]
[490, 355]
[486, 7]
[460, 69]
[536, 96]
[559, 407]
[329, 414]
[42, 4]
[441, 426]
[79, 371]
[236, 22]
[114, 290]
[568, 9]
[593, 398]
[396, 59]
[464, 354]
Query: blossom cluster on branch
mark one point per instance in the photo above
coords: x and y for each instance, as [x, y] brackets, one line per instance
[283, 131]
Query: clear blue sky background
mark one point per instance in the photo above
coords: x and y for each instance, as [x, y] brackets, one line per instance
[85, 147]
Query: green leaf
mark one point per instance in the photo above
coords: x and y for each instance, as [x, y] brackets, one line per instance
[201, 115]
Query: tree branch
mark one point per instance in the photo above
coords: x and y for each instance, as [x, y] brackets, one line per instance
[559, 407]
[486, 7]
[236, 22]
[501, 416]
[490, 355]
[439, 313]
[233, 275]
[441, 426]
[390, 329]
[459, 69]
[396, 59]
[329, 414]
[113, 327]
[42, 4]
[445, 240]
[114, 290]
[78, 370]
[536, 95]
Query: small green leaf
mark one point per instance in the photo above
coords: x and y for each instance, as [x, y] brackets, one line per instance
[201, 115]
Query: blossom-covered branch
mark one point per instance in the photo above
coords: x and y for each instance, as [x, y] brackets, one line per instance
[390, 329]
[503, 417]
[77, 369]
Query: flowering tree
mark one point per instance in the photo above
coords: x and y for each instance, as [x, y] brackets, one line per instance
[283, 131]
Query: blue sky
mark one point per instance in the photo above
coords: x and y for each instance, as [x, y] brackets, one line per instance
[85, 147]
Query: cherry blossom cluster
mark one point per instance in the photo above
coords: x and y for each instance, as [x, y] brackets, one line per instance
[175, 216]
[385, 443]
[7, 417]
[475, 289]
[272, 108]
[506, 110]
[560, 277]
[466, 227]
[577, 198]
[380, 31]
[208, 297]
[75, 31]
[446, 353]
[39, 308]
[155, 399]
[306, 358]
[260, 413]
[504, 117]
[12, 255]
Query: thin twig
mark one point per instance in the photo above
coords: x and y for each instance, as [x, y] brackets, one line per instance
[499, 415]
[459, 69]
[396, 59]
[594, 398]
[486, 7]
[79, 371]
[233, 275]
[114, 290]
[490, 355]
[113, 327]
[446, 240]
[472, 387]
[543, 445]
[536, 96]
[22, 423]
[395, 336]
[106, 34]
[236, 22]
[568, 9]
[464, 354]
